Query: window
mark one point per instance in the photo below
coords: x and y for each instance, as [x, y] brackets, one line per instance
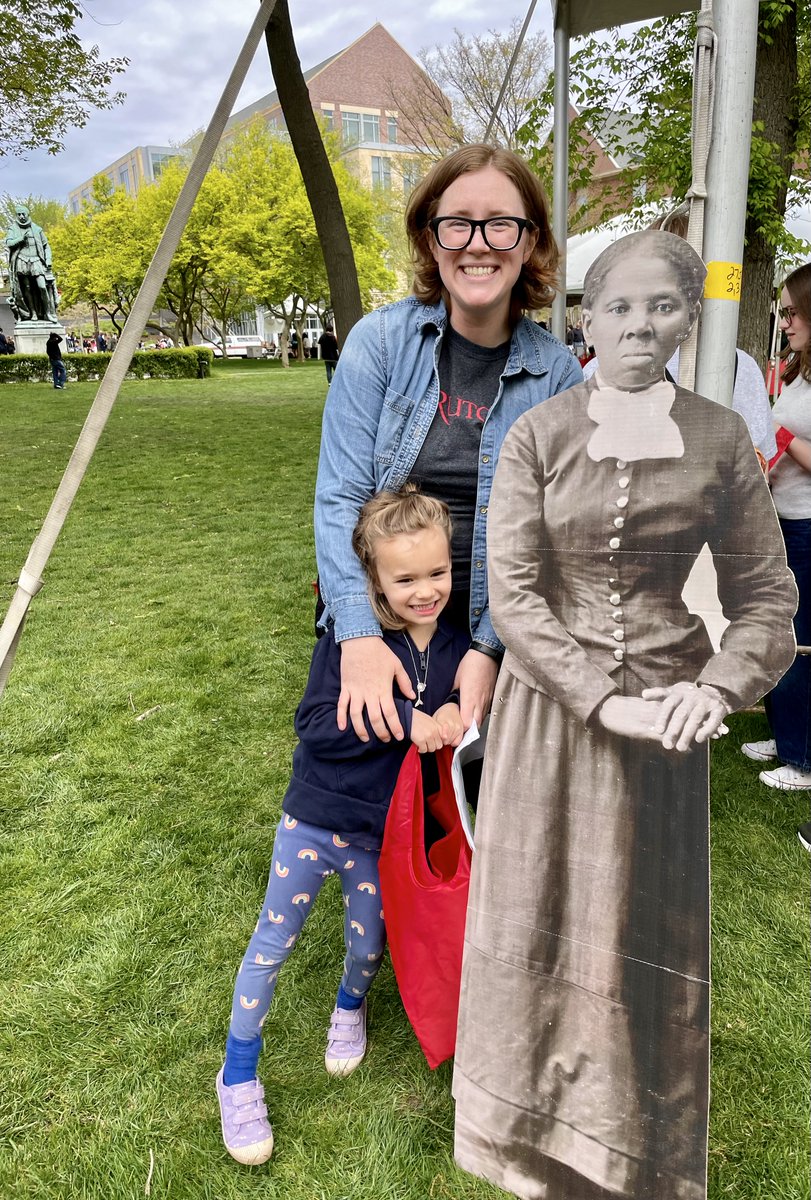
[392, 128]
[159, 161]
[350, 126]
[329, 117]
[371, 127]
[124, 178]
[412, 174]
[381, 172]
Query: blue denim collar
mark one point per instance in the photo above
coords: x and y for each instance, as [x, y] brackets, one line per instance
[526, 351]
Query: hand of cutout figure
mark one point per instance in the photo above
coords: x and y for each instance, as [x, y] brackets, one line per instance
[631, 717]
[425, 732]
[689, 714]
[368, 670]
[475, 682]
[449, 720]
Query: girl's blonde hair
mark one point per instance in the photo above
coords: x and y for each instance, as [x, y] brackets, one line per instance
[386, 515]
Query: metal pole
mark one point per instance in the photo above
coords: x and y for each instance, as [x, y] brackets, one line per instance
[510, 68]
[560, 174]
[727, 182]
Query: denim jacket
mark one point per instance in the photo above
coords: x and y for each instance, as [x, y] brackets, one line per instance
[380, 406]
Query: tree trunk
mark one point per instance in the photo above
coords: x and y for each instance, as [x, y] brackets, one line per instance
[776, 107]
[319, 182]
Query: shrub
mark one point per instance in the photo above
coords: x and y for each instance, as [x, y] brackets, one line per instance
[192, 362]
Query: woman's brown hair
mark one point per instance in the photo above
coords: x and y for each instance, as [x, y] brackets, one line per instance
[538, 280]
[798, 286]
[386, 515]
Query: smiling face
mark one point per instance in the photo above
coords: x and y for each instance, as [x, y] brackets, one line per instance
[637, 320]
[794, 325]
[479, 280]
[414, 574]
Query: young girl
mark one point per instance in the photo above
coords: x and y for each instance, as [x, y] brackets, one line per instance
[335, 807]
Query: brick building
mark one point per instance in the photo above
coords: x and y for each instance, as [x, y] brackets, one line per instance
[361, 93]
[611, 155]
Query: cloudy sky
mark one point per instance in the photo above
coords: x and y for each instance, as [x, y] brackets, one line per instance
[181, 52]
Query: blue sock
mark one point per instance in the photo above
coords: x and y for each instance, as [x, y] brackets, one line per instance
[241, 1059]
[346, 1001]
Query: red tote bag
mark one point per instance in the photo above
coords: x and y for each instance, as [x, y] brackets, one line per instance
[425, 901]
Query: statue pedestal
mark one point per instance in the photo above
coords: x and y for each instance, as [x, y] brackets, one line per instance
[30, 336]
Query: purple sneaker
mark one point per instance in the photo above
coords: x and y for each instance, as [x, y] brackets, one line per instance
[246, 1129]
[346, 1040]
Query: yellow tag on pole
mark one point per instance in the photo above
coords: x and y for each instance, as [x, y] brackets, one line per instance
[723, 281]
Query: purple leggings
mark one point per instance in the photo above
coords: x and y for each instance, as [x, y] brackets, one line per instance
[303, 857]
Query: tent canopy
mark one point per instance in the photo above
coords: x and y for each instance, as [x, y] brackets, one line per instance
[587, 16]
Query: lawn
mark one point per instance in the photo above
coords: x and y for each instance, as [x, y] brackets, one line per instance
[145, 743]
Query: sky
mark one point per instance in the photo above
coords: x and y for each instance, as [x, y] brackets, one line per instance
[182, 51]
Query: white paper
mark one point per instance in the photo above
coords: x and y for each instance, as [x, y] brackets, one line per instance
[469, 749]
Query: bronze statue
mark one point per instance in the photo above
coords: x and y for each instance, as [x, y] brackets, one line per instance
[33, 283]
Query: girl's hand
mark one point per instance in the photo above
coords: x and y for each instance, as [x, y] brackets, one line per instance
[425, 732]
[475, 681]
[449, 720]
[688, 715]
[368, 671]
[631, 717]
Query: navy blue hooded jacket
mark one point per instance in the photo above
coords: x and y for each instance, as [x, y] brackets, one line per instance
[344, 784]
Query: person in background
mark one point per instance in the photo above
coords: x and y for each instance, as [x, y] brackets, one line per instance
[328, 345]
[54, 352]
[788, 706]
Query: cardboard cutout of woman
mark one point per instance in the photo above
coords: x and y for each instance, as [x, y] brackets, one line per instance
[582, 1065]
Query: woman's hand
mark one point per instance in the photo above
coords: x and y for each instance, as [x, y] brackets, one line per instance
[449, 720]
[631, 717]
[475, 681]
[425, 732]
[368, 671]
[688, 714]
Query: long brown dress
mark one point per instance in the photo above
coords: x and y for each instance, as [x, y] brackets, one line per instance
[582, 1062]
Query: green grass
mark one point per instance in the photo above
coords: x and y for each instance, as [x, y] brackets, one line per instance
[133, 852]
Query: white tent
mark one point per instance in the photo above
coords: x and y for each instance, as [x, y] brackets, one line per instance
[583, 248]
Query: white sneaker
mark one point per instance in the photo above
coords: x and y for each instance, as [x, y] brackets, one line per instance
[760, 751]
[346, 1040]
[787, 779]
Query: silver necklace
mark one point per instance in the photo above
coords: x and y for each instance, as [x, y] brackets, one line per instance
[425, 658]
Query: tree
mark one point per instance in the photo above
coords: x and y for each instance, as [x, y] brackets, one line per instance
[646, 78]
[99, 254]
[471, 70]
[288, 263]
[50, 82]
[250, 239]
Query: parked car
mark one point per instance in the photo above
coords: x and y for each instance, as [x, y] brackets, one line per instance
[239, 345]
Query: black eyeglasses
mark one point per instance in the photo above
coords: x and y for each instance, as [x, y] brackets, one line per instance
[500, 233]
[787, 314]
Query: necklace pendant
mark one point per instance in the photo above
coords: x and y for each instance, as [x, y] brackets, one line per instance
[420, 689]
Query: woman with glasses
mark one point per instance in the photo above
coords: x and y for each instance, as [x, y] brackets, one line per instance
[787, 754]
[425, 391]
